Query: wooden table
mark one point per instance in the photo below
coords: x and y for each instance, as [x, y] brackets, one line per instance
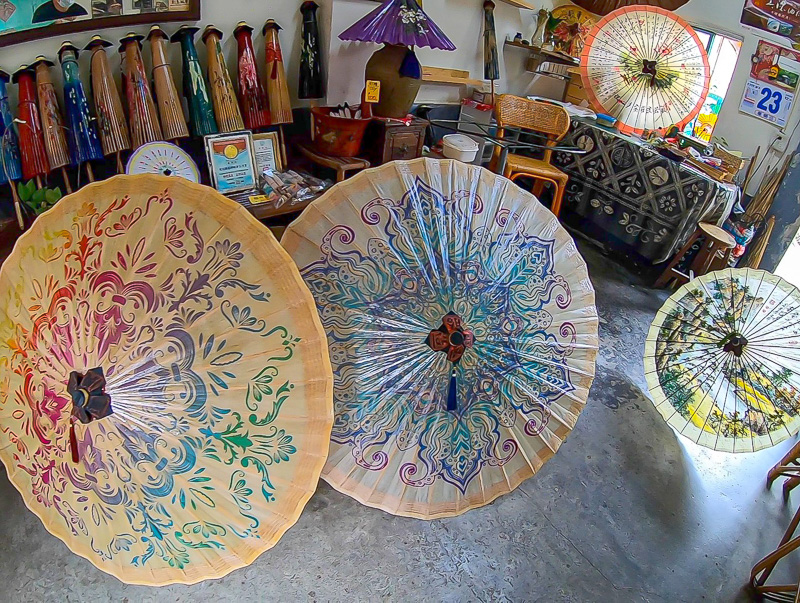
[341, 165]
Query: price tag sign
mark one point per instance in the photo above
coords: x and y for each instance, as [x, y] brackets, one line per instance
[373, 94]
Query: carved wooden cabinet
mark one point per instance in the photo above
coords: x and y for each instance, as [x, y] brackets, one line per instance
[390, 141]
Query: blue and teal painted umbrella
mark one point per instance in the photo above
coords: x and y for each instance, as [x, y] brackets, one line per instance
[462, 332]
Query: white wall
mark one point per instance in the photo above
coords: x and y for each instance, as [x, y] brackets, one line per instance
[462, 21]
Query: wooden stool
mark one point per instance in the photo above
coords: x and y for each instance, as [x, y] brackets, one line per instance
[789, 466]
[342, 165]
[718, 245]
[762, 570]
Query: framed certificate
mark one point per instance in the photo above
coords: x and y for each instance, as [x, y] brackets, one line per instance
[231, 161]
[268, 152]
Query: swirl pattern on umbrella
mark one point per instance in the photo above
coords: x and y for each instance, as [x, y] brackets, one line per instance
[214, 363]
[721, 360]
[489, 273]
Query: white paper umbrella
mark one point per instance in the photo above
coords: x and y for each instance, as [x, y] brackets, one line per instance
[722, 360]
[647, 67]
[163, 158]
[462, 331]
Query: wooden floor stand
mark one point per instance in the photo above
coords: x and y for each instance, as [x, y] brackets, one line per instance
[789, 467]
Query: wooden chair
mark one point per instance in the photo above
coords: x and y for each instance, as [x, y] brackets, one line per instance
[714, 255]
[543, 118]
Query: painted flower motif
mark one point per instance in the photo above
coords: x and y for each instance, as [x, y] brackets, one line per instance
[667, 203]
[278, 446]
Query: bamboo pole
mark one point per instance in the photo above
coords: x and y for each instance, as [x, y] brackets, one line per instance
[17, 204]
[756, 252]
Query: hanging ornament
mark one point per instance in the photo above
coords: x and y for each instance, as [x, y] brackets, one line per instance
[280, 105]
[55, 142]
[31, 138]
[10, 168]
[142, 114]
[84, 143]
[173, 123]
[226, 108]
[195, 89]
[312, 82]
[252, 95]
[113, 128]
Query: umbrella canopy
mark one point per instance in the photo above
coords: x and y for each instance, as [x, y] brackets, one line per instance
[646, 67]
[400, 22]
[164, 381]
[722, 363]
[603, 7]
[462, 331]
[163, 158]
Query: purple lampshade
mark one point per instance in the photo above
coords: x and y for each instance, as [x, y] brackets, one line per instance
[398, 22]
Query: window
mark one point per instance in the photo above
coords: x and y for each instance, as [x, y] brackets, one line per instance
[723, 53]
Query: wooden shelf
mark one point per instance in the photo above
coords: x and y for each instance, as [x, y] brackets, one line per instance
[521, 4]
[440, 75]
[559, 57]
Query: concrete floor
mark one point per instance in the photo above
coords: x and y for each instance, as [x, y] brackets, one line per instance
[626, 511]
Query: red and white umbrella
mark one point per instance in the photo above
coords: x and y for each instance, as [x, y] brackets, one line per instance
[647, 67]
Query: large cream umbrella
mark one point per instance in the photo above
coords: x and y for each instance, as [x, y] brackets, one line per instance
[164, 381]
[462, 331]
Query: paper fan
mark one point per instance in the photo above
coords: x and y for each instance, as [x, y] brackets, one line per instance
[722, 361]
[645, 66]
[164, 380]
[462, 332]
[163, 158]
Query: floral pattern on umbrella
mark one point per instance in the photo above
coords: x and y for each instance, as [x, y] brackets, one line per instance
[192, 472]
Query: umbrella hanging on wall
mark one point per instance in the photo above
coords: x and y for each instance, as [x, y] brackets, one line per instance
[111, 124]
[646, 67]
[462, 332]
[722, 363]
[491, 61]
[164, 378]
[10, 168]
[195, 89]
[603, 7]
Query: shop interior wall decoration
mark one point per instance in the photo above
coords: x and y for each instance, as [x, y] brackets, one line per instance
[462, 331]
[180, 434]
[36, 19]
[399, 25]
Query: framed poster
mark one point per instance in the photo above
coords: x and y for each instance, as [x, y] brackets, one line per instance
[231, 161]
[772, 86]
[268, 152]
[24, 20]
[779, 17]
